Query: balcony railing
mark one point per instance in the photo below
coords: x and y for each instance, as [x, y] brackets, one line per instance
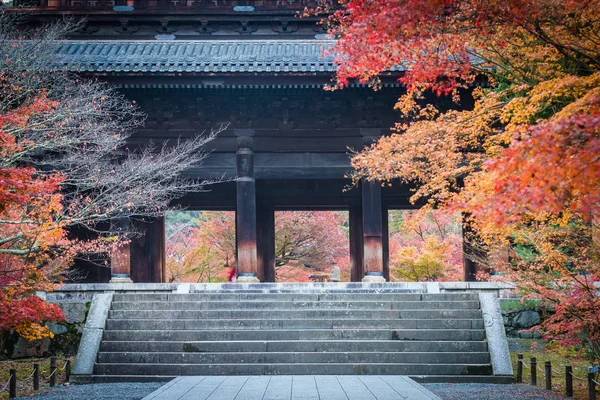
[133, 5]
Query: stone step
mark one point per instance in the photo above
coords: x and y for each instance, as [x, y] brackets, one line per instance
[192, 346]
[292, 369]
[253, 314]
[292, 296]
[137, 336]
[266, 314]
[367, 356]
[229, 324]
[295, 304]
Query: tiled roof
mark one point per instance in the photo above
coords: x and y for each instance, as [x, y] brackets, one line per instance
[273, 56]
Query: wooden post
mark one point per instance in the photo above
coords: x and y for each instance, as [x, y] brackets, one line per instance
[265, 220]
[36, 376]
[120, 257]
[591, 384]
[372, 232]
[67, 370]
[548, 373]
[12, 384]
[469, 267]
[246, 212]
[533, 366]
[52, 371]
[569, 381]
[148, 251]
[386, 243]
[356, 243]
[519, 368]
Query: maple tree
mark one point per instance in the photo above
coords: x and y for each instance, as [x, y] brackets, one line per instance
[205, 250]
[425, 248]
[523, 163]
[201, 250]
[65, 165]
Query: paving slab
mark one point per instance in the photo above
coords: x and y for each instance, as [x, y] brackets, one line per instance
[305, 387]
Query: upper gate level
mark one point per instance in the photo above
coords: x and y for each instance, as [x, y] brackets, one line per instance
[208, 6]
[180, 19]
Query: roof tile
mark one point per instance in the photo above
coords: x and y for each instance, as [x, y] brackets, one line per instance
[195, 56]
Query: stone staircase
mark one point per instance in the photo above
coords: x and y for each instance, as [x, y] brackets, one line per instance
[315, 331]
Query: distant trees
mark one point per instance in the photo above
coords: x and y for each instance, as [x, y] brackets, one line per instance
[201, 249]
[425, 248]
[64, 165]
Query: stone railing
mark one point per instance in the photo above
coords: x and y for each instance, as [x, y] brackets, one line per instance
[85, 291]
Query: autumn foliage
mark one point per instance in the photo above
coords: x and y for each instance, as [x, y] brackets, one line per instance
[522, 162]
[31, 199]
[425, 248]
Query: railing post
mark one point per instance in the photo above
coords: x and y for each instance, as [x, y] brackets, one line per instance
[67, 369]
[591, 384]
[519, 368]
[533, 371]
[52, 371]
[569, 381]
[36, 376]
[12, 385]
[548, 368]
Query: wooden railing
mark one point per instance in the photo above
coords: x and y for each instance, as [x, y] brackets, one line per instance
[215, 5]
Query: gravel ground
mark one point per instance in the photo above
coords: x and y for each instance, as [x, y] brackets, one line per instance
[480, 391]
[97, 391]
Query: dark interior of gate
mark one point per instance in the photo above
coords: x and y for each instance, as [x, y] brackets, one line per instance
[288, 146]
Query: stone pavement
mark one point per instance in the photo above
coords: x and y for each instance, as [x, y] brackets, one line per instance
[282, 387]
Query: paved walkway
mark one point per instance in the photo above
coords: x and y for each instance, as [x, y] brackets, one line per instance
[277, 387]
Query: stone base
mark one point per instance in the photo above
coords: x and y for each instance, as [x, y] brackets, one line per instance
[373, 278]
[120, 280]
[247, 279]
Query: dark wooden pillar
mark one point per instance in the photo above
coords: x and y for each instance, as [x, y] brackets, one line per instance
[265, 221]
[386, 243]
[246, 212]
[356, 244]
[147, 252]
[372, 231]
[469, 267]
[120, 257]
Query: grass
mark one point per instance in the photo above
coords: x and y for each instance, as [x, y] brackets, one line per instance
[536, 348]
[25, 369]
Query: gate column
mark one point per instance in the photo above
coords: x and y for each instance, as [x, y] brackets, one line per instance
[372, 232]
[356, 244]
[266, 243]
[246, 212]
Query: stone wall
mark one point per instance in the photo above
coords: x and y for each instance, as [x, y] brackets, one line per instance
[520, 317]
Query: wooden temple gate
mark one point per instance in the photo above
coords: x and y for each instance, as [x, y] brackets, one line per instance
[193, 66]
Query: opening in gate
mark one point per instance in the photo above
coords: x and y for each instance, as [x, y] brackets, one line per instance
[200, 245]
[312, 246]
[425, 246]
